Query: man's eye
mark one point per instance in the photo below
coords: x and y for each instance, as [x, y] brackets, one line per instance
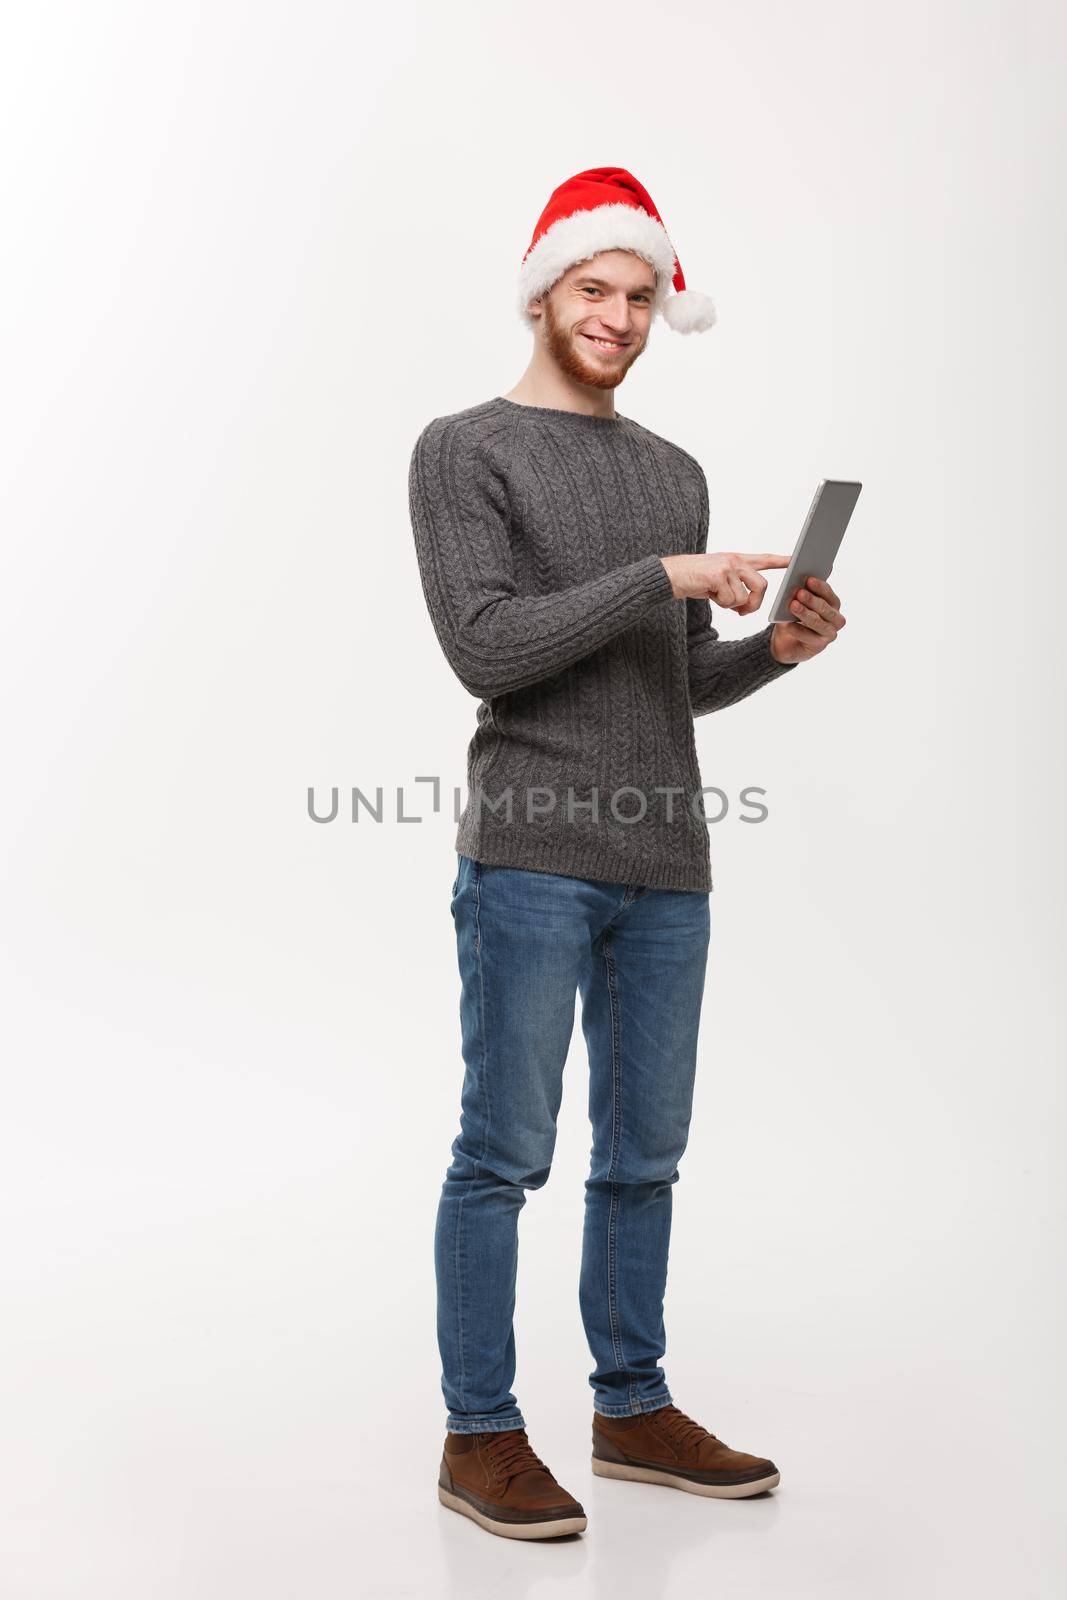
[588, 289]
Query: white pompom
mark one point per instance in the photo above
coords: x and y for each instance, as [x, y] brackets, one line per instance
[689, 312]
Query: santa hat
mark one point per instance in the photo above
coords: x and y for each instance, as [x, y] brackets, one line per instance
[607, 209]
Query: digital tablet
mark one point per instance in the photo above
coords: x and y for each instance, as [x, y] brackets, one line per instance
[819, 542]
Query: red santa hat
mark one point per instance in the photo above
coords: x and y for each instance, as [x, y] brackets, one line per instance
[606, 208]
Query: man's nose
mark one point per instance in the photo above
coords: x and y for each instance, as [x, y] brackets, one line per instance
[615, 314]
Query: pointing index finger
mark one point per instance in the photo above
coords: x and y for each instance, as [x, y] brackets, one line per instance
[765, 561]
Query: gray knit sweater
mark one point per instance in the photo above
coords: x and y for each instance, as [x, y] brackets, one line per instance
[539, 535]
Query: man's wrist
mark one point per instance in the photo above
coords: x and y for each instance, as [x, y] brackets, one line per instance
[774, 631]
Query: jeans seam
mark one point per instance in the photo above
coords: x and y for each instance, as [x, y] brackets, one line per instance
[485, 1100]
[615, 1200]
[498, 1425]
[481, 1009]
[635, 1409]
[459, 1302]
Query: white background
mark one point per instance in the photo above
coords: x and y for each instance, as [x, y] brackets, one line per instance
[249, 251]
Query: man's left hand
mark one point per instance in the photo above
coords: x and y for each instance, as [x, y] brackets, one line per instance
[818, 623]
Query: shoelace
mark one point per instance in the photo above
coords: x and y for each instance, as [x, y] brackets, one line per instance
[682, 1429]
[511, 1452]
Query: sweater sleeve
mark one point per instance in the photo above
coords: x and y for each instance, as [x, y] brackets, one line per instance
[494, 638]
[723, 671]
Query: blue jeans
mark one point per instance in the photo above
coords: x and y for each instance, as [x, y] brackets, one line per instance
[528, 943]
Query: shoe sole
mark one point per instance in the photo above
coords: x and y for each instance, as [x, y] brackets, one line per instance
[554, 1529]
[716, 1491]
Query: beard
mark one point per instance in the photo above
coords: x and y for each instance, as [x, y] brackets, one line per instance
[562, 346]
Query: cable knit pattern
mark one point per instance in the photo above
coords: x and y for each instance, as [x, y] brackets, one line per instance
[539, 535]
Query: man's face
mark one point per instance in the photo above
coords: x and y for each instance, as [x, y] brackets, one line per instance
[596, 318]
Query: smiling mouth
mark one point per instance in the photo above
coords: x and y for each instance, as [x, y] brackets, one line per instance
[609, 346]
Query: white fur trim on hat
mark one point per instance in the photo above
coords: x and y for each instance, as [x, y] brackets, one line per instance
[584, 234]
[689, 312]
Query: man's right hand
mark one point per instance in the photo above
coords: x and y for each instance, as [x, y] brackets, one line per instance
[731, 580]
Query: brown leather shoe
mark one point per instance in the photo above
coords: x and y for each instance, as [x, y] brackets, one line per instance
[498, 1481]
[666, 1446]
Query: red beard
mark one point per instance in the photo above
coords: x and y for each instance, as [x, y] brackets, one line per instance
[561, 345]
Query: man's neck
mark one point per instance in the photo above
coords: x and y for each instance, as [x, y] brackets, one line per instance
[542, 385]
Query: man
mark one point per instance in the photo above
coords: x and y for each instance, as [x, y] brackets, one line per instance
[562, 552]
